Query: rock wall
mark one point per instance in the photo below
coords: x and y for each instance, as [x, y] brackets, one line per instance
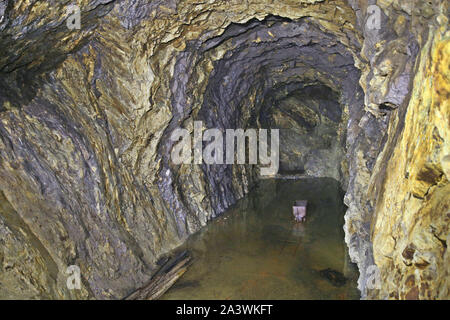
[412, 204]
[407, 127]
[86, 118]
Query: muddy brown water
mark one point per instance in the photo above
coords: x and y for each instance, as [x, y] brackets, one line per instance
[256, 250]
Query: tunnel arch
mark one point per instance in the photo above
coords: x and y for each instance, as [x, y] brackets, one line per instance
[249, 65]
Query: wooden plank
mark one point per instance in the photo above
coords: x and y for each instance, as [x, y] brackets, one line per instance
[163, 279]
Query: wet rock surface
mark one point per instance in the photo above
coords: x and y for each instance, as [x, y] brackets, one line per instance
[86, 117]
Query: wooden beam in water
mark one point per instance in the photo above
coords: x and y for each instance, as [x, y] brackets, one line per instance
[163, 279]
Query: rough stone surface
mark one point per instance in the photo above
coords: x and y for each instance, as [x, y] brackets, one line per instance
[86, 117]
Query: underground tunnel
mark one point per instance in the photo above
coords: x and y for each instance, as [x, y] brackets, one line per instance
[352, 97]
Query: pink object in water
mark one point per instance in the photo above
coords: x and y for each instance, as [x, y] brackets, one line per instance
[299, 210]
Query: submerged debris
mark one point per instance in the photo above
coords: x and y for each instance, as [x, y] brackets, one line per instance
[336, 278]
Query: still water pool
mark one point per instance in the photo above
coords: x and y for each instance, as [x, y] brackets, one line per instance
[257, 251]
